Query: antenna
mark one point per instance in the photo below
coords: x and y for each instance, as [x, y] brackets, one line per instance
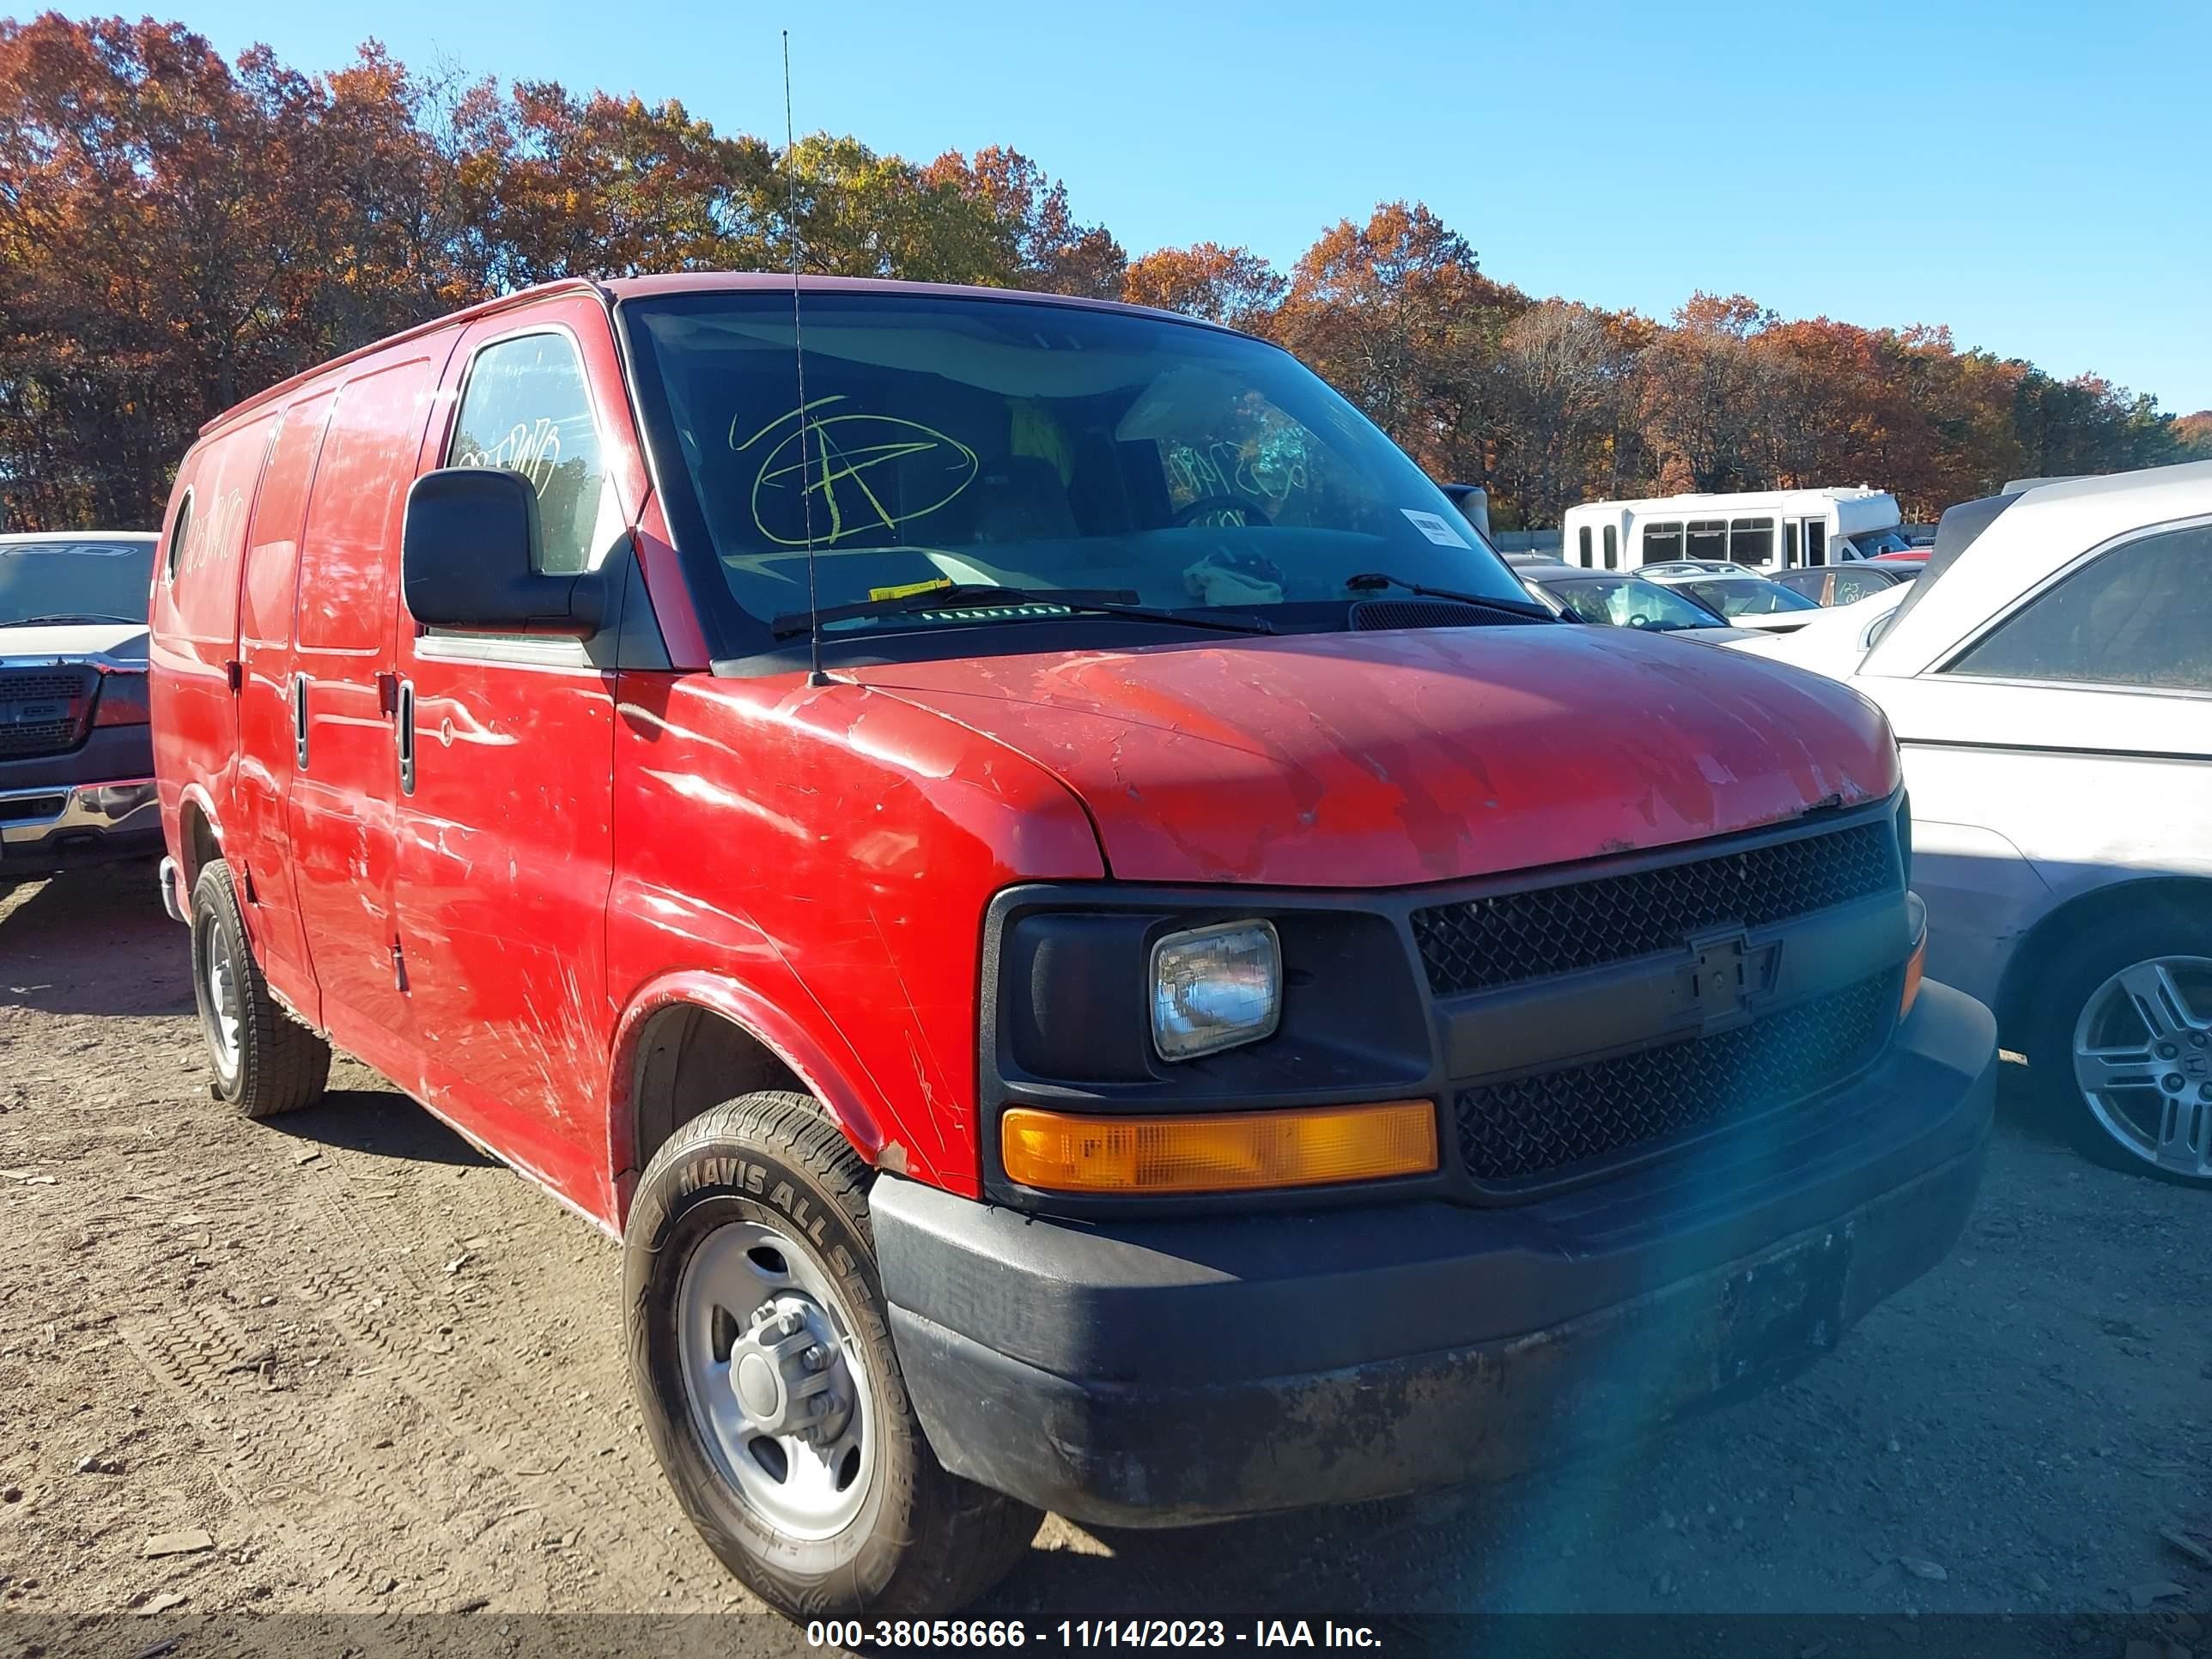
[814, 674]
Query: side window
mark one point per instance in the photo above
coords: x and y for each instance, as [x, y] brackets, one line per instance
[1852, 585]
[1806, 582]
[1662, 543]
[1751, 541]
[178, 531]
[1583, 545]
[2139, 615]
[1708, 539]
[1612, 547]
[526, 408]
[1816, 542]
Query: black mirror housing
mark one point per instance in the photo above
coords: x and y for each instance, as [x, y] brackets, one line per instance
[468, 559]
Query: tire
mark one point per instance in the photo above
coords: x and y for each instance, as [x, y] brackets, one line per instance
[918, 1542]
[2061, 1008]
[264, 1061]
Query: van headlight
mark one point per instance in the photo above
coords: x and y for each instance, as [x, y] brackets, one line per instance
[1215, 989]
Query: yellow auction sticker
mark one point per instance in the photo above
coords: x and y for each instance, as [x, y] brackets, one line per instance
[901, 591]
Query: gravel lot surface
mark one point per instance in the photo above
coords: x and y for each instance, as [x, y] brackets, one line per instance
[323, 1374]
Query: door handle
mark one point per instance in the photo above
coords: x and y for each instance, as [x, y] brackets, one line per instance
[405, 728]
[300, 722]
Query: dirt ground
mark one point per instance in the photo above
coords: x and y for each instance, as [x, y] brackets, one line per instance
[360, 1373]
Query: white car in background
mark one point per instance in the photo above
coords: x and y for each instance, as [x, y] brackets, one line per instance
[1743, 598]
[2050, 681]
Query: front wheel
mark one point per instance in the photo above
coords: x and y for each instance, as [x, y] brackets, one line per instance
[770, 1389]
[2120, 1040]
[265, 1062]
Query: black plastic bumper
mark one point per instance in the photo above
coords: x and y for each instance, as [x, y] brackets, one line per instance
[1164, 1372]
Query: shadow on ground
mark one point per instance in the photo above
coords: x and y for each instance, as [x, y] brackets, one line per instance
[95, 943]
[383, 1121]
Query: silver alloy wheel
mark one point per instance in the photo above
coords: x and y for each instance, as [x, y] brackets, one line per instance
[2142, 1059]
[221, 1007]
[775, 1379]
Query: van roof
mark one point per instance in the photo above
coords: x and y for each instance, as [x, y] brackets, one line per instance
[1735, 499]
[698, 281]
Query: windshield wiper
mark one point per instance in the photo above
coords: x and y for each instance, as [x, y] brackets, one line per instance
[1018, 603]
[64, 620]
[1373, 578]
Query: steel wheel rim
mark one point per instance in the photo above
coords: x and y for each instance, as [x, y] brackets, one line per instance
[221, 1012]
[2143, 1060]
[810, 1481]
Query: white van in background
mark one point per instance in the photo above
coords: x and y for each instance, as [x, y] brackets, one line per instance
[1766, 530]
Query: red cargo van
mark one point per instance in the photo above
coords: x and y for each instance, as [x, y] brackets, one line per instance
[1094, 948]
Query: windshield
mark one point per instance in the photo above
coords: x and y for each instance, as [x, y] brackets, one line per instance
[1629, 601]
[1007, 443]
[1738, 598]
[73, 579]
[1871, 541]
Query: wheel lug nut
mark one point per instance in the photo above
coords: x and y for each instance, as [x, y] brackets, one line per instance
[2198, 1040]
[2167, 1051]
[815, 1357]
[794, 1322]
[2204, 1091]
[2171, 1082]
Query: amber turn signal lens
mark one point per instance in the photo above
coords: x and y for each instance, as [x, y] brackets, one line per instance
[1219, 1152]
[1915, 965]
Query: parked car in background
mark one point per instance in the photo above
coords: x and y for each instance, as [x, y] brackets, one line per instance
[1832, 641]
[1847, 584]
[1763, 530]
[1186, 995]
[1742, 598]
[2050, 680]
[76, 765]
[1620, 598]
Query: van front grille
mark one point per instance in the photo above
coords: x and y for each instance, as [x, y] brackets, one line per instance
[1542, 1125]
[1480, 944]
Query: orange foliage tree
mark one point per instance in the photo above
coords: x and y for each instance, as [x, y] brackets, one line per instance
[177, 231]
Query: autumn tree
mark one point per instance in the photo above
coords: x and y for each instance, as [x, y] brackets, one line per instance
[1566, 394]
[1394, 314]
[1042, 245]
[172, 232]
[1232, 285]
[1711, 392]
[609, 186]
[178, 232]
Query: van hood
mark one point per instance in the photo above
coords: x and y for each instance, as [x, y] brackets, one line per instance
[56, 641]
[1391, 758]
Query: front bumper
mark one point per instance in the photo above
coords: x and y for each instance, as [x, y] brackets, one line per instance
[44, 832]
[1163, 1372]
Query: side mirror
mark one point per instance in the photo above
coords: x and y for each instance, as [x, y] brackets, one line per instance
[468, 559]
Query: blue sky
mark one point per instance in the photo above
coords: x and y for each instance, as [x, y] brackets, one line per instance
[2037, 176]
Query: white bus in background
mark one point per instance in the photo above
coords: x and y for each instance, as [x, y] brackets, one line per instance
[1766, 530]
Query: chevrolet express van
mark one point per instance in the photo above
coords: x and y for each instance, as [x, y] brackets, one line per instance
[1096, 949]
